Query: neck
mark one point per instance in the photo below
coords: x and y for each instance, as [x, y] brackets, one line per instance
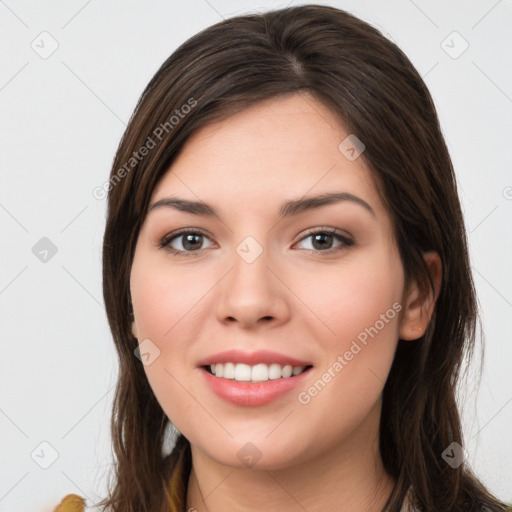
[348, 477]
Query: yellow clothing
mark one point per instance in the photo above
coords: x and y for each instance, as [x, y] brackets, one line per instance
[71, 503]
[74, 503]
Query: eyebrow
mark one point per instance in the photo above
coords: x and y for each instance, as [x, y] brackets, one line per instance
[288, 209]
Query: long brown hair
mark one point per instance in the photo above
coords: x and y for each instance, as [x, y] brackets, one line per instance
[378, 95]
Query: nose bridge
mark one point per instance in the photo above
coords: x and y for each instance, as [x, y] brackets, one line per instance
[251, 291]
[250, 276]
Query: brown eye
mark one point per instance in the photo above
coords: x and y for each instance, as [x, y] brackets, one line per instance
[191, 242]
[326, 241]
[322, 241]
[185, 241]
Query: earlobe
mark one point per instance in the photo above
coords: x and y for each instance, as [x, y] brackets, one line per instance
[419, 306]
[134, 330]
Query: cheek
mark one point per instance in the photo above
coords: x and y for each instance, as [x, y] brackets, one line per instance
[170, 309]
[165, 303]
[360, 313]
[361, 307]
[164, 297]
[352, 298]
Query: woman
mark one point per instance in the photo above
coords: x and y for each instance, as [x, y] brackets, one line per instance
[286, 279]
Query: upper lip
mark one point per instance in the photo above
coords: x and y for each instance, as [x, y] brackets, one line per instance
[252, 358]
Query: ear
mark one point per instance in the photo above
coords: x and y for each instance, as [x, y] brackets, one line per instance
[419, 306]
[134, 330]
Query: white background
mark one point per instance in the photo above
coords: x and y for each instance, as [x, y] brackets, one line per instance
[61, 120]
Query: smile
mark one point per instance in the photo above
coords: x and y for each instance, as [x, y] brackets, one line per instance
[257, 373]
[252, 379]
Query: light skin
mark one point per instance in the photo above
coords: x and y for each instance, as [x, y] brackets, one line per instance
[291, 299]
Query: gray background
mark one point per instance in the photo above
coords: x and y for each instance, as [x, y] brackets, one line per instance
[62, 117]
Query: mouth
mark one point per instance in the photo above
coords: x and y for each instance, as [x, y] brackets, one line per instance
[254, 385]
[261, 372]
[253, 379]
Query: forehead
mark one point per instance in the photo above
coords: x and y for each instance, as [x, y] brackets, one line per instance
[280, 148]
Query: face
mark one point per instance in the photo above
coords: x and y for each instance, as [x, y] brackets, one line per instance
[264, 281]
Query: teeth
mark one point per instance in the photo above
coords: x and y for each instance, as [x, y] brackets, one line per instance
[218, 370]
[257, 373]
[242, 372]
[228, 370]
[275, 371]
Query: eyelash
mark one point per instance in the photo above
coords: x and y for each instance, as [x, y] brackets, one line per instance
[345, 240]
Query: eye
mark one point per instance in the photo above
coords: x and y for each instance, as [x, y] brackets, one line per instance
[326, 240]
[183, 242]
[190, 241]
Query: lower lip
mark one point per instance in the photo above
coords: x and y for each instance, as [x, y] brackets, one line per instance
[252, 394]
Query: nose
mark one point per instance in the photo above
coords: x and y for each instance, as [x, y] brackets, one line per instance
[252, 294]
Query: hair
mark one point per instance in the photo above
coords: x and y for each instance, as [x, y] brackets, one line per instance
[377, 94]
